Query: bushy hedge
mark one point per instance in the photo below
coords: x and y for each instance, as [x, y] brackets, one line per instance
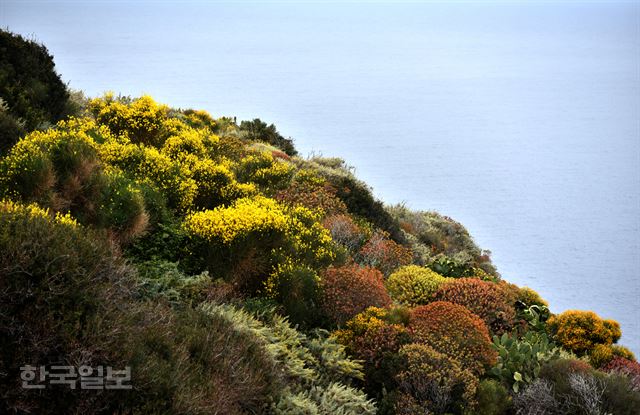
[32, 95]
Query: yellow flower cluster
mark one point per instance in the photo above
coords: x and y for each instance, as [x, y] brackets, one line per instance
[141, 120]
[35, 211]
[264, 170]
[199, 143]
[228, 224]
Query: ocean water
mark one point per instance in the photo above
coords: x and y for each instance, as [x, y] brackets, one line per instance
[519, 119]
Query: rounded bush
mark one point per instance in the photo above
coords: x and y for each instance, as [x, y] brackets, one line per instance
[601, 354]
[455, 331]
[413, 285]
[350, 289]
[486, 299]
[435, 380]
[581, 331]
[383, 253]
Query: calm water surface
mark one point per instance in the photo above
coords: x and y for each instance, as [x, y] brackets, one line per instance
[522, 121]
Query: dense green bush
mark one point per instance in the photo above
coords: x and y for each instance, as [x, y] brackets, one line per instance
[258, 130]
[492, 398]
[59, 289]
[32, 95]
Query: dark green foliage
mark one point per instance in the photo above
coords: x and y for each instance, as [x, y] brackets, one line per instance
[33, 92]
[58, 284]
[11, 129]
[492, 398]
[360, 202]
[258, 130]
[298, 295]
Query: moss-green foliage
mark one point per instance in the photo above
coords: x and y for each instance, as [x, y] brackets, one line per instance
[31, 92]
[492, 398]
[414, 285]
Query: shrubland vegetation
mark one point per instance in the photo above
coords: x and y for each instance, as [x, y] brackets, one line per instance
[234, 276]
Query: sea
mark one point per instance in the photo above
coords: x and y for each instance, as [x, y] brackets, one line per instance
[520, 119]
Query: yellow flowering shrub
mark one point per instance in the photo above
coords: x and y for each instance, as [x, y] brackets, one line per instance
[199, 119]
[230, 224]
[263, 170]
[414, 285]
[148, 164]
[200, 143]
[602, 354]
[141, 120]
[34, 211]
[580, 331]
[247, 239]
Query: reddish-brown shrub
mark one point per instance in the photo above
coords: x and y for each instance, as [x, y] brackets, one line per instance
[384, 254]
[488, 300]
[624, 366]
[455, 331]
[350, 289]
[312, 196]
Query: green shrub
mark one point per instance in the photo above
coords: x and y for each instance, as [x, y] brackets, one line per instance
[31, 91]
[162, 279]
[60, 285]
[520, 360]
[413, 285]
[492, 398]
[297, 290]
[258, 130]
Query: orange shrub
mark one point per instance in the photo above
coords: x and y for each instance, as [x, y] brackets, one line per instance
[350, 289]
[581, 331]
[488, 300]
[455, 331]
[384, 254]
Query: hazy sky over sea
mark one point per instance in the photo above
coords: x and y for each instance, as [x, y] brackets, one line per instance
[519, 119]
